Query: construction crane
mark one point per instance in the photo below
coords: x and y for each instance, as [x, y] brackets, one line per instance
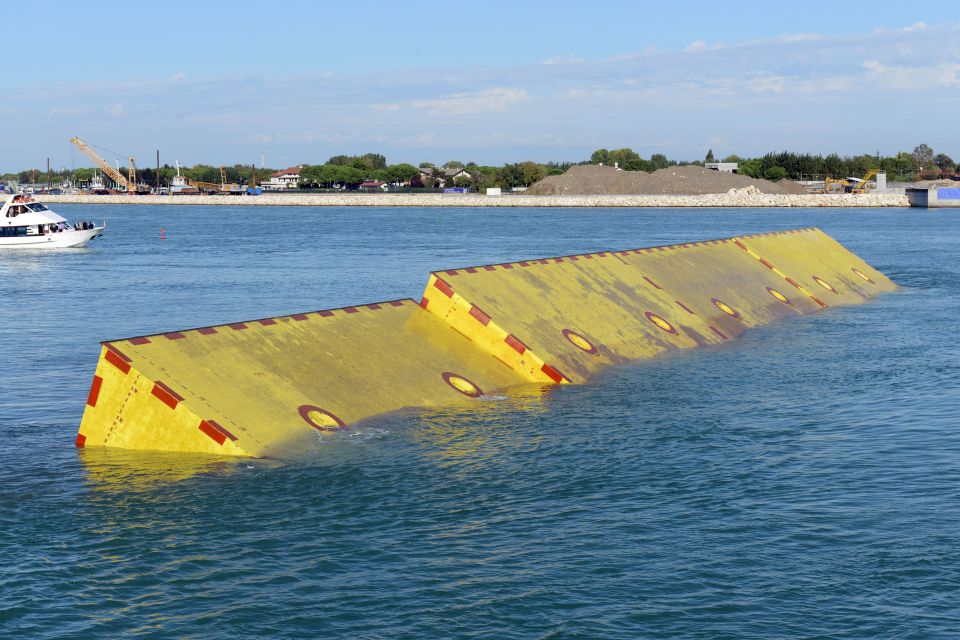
[115, 175]
[211, 187]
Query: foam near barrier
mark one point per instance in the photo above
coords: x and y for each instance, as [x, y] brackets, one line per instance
[257, 388]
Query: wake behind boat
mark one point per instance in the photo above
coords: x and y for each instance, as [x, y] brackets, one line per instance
[28, 224]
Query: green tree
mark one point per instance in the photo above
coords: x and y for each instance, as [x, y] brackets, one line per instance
[659, 161]
[709, 157]
[400, 173]
[944, 162]
[923, 155]
[775, 173]
[600, 156]
[531, 173]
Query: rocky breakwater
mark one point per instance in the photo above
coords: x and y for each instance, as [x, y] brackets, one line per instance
[745, 197]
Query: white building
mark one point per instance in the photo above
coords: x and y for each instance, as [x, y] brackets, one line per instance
[283, 180]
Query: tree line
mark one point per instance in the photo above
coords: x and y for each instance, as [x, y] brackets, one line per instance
[348, 172]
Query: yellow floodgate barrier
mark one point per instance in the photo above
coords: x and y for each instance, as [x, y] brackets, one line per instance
[261, 387]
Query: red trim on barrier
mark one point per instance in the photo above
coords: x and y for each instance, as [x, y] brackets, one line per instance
[299, 316]
[267, 322]
[574, 258]
[655, 285]
[206, 331]
[515, 344]
[238, 326]
[324, 314]
[396, 303]
[116, 352]
[80, 441]
[685, 308]
[489, 267]
[444, 288]
[470, 270]
[166, 395]
[373, 307]
[719, 333]
[558, 259]
[139, 341]
[588, 257]
[479, 315]
[793, 282]
[351, 310]
[424, 302]
[524, 264]
[452, 272]
[174, 335]
[211, 431]
[765, 263]
[820, 302]
[741, 245]
[602, 255]
[94, 391]
[112, 358]
[216, 425]
[507, 266]
[552, 373]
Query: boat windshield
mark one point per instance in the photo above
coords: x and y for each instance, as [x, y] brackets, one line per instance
[37, 207]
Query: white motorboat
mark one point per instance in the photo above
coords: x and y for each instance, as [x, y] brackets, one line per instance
[28, 224]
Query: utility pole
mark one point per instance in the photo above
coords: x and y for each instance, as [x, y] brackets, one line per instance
[48, 175]
[158, 171]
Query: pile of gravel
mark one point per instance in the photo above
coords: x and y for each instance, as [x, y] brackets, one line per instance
[687, 180]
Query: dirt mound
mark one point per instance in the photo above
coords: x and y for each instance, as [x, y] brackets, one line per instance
[688, 180]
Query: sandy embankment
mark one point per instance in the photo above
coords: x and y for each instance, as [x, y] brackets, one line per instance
[736, 199]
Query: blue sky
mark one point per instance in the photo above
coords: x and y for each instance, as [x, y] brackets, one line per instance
[490, 82]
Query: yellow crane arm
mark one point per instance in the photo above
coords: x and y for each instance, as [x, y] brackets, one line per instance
[115, 175]
[210, 186]
[131, 175]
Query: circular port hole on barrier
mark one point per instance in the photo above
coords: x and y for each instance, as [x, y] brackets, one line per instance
[320, 419]
[779, 296]
[579, 341]
[660, 322]
[461, 385]
[823, 283]
[723, 306]
[862, 275]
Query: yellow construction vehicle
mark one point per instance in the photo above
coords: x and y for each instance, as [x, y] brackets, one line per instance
[861, 186]
[850, 185]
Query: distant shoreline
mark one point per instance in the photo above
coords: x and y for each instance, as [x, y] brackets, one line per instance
[748, 200]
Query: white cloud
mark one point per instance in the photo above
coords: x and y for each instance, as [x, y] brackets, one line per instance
[497, 99]
[695, 46]
[117, 109]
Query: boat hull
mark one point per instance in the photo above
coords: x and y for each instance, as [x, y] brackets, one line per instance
[70, 239]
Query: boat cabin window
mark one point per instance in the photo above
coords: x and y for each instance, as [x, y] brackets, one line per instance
[37, 207]
[16, 210]
[12, 232]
